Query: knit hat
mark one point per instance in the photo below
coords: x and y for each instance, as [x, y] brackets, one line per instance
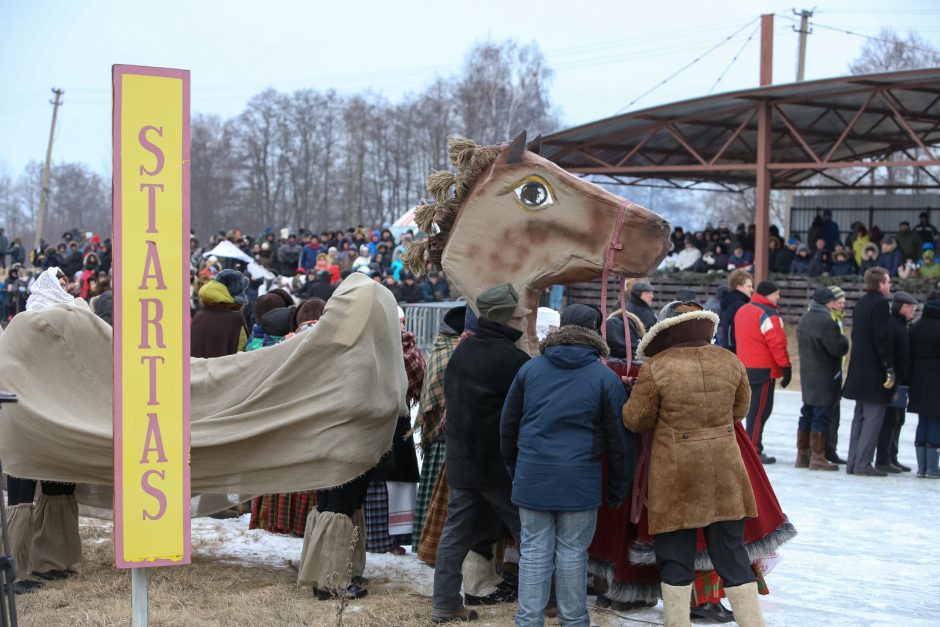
[497, 303]
[641, 286]
[837, 292]
[903, 298]
[582, 316]
[766, 288]
[823, 295]
[235, 282]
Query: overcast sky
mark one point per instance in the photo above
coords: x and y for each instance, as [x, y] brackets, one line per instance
[605, 53]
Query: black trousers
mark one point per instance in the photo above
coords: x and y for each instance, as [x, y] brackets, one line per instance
[762, 403]
[889, 436]
[21, 491]
[345, 499]
[675, 554]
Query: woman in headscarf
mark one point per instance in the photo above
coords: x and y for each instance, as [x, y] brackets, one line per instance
[44, 539]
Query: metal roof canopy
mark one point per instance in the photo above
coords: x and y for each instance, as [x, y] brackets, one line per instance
[772, 137]
[848, 122]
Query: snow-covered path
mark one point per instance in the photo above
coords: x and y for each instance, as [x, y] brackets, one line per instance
[867, 551]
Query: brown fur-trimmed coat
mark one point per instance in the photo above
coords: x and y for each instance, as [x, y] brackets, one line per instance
[689, 393]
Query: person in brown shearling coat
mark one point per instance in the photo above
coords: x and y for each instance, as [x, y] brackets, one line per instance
[689, 393]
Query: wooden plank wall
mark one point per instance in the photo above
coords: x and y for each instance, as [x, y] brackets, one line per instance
[794, 299]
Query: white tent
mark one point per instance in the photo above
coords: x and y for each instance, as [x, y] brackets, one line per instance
[228, 250]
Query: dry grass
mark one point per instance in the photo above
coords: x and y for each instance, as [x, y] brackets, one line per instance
[216, 591]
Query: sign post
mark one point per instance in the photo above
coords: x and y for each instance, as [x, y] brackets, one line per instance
[151, 322]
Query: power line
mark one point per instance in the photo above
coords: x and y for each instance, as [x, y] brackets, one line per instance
[734, 58]
[685, 67]
[881, 39]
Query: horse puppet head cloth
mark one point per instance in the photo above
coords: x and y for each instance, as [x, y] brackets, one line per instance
[514, 216]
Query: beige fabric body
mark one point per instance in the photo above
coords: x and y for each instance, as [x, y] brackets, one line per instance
[20, 528]
[313, 412]
[479, 575]
[359, 553]
[326, 551]
[57, 544]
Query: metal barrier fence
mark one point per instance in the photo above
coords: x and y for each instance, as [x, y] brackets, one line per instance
[424, 320]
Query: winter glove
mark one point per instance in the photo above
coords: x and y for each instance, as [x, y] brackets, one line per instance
[889, 379]
[787, 375]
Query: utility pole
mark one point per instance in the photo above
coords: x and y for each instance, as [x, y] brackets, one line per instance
[44, 193]
[800, 68]
[803, 31]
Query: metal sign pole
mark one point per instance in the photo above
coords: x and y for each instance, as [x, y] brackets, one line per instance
[140, 589]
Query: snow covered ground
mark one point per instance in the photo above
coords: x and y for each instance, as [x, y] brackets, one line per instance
[866, 554]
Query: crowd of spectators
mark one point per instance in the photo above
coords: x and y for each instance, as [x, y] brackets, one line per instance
[305, 263]
[909, 252]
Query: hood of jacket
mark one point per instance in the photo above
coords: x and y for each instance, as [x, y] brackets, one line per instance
[693, 328]
[572, 347]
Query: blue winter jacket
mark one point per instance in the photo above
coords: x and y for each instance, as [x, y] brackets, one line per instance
[561, 416]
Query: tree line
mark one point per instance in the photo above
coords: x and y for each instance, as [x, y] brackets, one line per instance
[315, 158]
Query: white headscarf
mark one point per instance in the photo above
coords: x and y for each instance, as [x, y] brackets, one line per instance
[47, 291]
[546, 317]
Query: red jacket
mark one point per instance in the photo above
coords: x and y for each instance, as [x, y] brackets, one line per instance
[759, 337]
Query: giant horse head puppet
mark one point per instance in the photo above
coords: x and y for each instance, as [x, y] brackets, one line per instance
[510, 215]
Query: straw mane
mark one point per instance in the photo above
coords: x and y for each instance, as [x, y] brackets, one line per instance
[449, 191]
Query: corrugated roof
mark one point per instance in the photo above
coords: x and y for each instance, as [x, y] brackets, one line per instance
[681, 140]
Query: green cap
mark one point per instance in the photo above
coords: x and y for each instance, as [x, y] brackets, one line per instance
[497, 303]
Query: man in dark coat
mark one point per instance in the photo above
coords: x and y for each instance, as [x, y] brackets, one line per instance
[871, 378]
[317, 286]
[640, 303]
[476, 382]
[925, 387]
[903, 306]
[821, 347]
[740, 288]
[561, 417]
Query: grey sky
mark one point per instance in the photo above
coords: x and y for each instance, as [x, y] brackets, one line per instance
[605, 52]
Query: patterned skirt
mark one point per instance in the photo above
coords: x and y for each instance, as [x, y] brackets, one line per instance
[282, 513]
[430, 469]
[378, 540]
[434, 519]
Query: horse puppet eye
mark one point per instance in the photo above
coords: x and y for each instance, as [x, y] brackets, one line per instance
[534, 194]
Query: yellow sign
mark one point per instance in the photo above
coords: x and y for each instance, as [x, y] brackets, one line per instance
[151, 316]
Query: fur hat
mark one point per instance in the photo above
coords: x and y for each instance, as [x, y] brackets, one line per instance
[498, 303]
[235, 282]
[679, 323]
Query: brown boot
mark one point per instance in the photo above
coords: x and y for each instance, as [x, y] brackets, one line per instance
[802, 449]
[817, 459]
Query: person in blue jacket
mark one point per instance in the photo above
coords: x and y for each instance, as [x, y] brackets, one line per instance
[560, 418]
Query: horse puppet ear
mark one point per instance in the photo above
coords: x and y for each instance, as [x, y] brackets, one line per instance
[512, 153]
[535, 145]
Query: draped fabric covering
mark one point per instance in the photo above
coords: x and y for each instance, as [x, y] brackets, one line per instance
[312, 413]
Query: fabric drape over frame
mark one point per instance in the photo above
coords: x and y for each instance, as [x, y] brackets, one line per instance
[310, 413]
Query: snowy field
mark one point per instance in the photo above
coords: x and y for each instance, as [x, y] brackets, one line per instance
[866, 554]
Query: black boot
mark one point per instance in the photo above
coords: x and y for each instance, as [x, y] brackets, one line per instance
[832, 457]
[712, 611]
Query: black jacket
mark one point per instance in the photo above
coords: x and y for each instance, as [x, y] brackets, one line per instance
[730, 303]
[872, 350]
[822, 347]
[616, 337]
[476, 381]
[925, 362]
[902, 348]
[638, 307]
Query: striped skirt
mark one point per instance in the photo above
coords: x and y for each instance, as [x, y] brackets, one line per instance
[430, 469]
[282, 513]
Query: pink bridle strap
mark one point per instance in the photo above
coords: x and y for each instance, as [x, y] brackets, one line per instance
[612, 247]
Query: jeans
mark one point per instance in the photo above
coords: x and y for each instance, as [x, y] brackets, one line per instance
[556, 297]
[554, 541]
[814, 418]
